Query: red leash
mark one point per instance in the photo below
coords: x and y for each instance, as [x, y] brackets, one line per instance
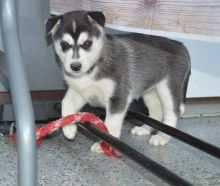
[83, 117]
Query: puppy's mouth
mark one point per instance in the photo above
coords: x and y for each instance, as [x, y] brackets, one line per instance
[73, 74]
[78, 74]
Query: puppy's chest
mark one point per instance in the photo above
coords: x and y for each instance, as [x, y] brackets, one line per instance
[95, 92]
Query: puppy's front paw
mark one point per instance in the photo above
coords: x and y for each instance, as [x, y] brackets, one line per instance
[96, 147]
[69, 131]
[159, 139]
[140, 131]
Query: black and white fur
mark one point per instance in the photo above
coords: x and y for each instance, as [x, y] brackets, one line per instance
[112, 70]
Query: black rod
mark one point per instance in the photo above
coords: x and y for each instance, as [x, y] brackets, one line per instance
[182, 136]
[155, 168]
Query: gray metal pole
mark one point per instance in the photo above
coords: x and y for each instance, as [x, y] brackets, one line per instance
[20, 95]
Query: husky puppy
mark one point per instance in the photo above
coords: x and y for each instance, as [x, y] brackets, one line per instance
[112, 70]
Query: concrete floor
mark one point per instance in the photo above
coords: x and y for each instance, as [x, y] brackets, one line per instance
[65, 163]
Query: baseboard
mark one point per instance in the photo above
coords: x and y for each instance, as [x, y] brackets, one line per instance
[195, 107]
[42, 95]
[209, 109]
[47, 95]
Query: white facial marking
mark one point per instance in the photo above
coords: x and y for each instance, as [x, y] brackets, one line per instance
[68, 38]
[74, 26]
[82, 38]
[66, 57]
[89, 57]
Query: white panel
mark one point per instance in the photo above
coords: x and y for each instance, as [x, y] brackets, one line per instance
[205, 77]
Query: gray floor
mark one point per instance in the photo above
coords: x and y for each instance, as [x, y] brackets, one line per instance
[65, 163]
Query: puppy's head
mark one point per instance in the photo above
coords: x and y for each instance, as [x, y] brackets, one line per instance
[78, 39]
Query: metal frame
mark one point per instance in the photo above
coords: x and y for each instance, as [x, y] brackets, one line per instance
[21, 98]
[152, 166]
[182, 136]
[147, 163]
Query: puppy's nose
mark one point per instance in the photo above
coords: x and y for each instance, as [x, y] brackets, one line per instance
[76, 66]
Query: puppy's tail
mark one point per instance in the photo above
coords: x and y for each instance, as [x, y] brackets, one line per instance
[185, 86]
[187, 75]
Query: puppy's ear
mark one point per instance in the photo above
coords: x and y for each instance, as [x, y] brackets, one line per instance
[98, 17]
[52, 24]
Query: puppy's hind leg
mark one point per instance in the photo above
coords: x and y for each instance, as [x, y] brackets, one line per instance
[152, 101]
[71, 103]
[170, 104]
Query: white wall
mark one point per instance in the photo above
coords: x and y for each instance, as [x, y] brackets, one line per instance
[205, 77]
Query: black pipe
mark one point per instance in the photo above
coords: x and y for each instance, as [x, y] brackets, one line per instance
[139, 158]
[182, 136]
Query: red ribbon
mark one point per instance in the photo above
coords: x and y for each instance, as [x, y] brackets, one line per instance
[83, 117]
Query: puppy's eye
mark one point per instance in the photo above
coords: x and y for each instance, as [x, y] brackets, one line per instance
[87, 44]
[65, 46]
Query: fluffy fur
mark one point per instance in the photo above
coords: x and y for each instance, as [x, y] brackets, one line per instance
[115, 69]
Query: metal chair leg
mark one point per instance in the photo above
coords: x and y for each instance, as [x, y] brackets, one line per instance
[20, 95]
